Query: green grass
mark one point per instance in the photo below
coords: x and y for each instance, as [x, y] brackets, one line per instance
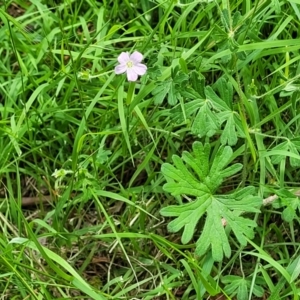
[98, 147]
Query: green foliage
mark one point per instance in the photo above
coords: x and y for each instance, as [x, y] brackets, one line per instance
[293, 269]
[213, 111]
[82, 149]
[292, 146]
[240, 286]
[194, 175]
[170, 88]
[103, 155]
[290, 202]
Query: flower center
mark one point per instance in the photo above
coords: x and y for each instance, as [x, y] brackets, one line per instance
[129, 64]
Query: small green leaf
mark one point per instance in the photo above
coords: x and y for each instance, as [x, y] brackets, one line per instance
[102, 156]
[285, 193]
[216, 101]
[291, 203]
[172, 95]
[291, 146]
[241, 55]
[177, 115]
[225, 90]
[170, 89]
[288, 214]
[229, 135]
[154, 72]
[206, 122]
[237, 17]
[239, 286]
[198, 83]
[161, 91]
[181, 78]
[225, 19]
[242, 293]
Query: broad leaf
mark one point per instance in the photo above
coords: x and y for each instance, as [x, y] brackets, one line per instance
[194, 175]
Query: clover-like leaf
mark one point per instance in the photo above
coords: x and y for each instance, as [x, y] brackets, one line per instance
[194, 175]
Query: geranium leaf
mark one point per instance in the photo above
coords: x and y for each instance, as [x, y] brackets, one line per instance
[229, 135]
[187, 215]
[198, 81]
[206, 122]
[172, 95]
[177, 115]
[216, 101]
[193, 175]
[161, 91]
[225, 90]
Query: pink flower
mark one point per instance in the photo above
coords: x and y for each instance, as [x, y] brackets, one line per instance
[131, 64]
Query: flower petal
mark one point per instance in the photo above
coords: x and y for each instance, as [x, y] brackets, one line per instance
[120, 69]
[136, 57]
[123, 58]
[132, 75]
[140, 69]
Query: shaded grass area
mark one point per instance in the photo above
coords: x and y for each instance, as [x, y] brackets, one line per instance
[88, 146]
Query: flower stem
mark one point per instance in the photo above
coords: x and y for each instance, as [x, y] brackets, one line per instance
[130, 93]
